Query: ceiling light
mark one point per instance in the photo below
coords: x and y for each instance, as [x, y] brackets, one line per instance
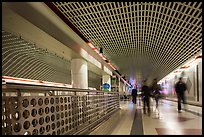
[90, 45]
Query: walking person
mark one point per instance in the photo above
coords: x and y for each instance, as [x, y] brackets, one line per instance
[134, 95]
[180, 88]
[146, 97]
[155, 89]
[124, 95]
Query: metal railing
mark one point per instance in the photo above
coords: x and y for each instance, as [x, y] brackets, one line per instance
[49, 113]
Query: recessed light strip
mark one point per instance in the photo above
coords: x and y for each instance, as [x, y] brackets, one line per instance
[100, 54]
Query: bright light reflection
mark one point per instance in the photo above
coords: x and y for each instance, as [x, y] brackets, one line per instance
[131, 106]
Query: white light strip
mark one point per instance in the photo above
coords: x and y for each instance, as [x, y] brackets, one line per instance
[100, 54]
[8, 79]
[90, 45]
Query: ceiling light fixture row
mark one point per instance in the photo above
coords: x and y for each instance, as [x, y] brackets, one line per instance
[190, 63]
[103, 57]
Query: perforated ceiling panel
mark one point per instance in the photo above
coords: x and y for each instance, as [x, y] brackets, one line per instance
[141, 39]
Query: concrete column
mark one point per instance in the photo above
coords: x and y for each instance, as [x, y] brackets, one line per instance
[127, 89]
[121, 87]
[200, 81]
[119, 84]
[79, 74]
[107, 79]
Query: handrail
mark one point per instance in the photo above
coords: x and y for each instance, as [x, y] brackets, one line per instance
[44, 114]
[10, 85]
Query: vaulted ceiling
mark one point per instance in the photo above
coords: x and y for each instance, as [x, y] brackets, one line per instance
[141, 39]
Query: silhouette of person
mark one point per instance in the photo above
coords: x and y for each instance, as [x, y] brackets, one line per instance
[146, 97]
[134, 95]
[125, 96]
[180, 88]
[155, 89]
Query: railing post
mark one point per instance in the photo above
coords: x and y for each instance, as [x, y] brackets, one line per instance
[18, 92]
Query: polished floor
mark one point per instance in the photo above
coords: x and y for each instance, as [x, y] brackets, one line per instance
[130, 120]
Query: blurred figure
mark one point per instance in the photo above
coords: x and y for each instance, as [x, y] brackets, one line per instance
[180, 88]
[155, 89]
[146, 97]
[134, 95]
[124, 95]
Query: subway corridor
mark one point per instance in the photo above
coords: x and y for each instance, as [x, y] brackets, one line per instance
[130, 120]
